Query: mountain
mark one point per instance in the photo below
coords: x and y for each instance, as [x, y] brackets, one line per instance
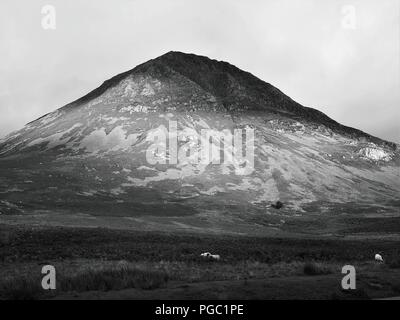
[90, 157]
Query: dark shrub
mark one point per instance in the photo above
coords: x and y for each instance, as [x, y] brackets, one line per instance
[310, 268]
[277, 205]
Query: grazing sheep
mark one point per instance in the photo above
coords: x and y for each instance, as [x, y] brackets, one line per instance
[211, 256]
[378, 258]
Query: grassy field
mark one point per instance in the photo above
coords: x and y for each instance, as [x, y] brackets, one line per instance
[153, 264]
[24, 244]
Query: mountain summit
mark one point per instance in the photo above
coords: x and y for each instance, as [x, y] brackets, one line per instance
[233, 90]
[90, 156]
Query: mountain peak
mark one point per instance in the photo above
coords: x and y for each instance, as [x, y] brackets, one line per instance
[183, 57]
[232, 89]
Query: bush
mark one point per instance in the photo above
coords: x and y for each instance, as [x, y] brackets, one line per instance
[277, 205]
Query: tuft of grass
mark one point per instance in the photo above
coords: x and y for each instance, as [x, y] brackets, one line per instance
[312, 268]
[24, 288]
[119, 277]
[101, 278]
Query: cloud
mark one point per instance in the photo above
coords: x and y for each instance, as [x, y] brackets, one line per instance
[299, 46]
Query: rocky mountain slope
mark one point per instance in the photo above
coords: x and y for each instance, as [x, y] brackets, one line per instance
[89, 156]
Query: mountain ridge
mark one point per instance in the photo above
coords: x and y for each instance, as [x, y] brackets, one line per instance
[181, 62]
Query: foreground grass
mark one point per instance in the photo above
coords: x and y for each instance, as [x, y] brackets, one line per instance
[100, 278]
[111, 260]
[97, 278]
[96, 275]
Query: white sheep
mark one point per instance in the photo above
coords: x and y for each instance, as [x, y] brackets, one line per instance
[212, 256]
[378, 258]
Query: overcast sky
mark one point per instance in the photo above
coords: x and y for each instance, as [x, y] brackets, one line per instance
[317, 52]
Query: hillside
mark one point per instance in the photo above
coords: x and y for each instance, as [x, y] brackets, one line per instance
[90, 156]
